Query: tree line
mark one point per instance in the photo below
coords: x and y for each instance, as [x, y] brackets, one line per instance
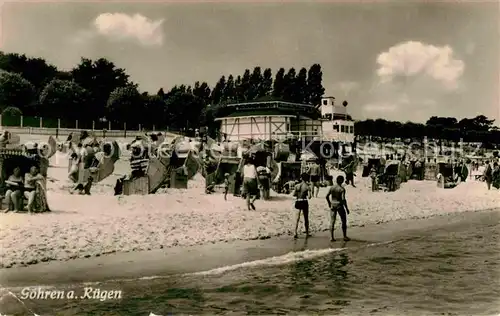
[98, 90]
[479, 129]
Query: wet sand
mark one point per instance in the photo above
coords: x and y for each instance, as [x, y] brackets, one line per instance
[177, 260]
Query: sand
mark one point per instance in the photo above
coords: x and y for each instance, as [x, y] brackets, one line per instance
[87, 226]
[221, 257]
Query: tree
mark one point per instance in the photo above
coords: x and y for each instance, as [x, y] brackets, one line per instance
[62, 98]
[238, 89]
[35, 70]
[266, 85]
[444, 122]
[478, 123]
[184, 110]
[12, 111]
[255, 82]
[301, 95]
[63, 75]
[207, 118]
[126, 104]
[315, 88]
[290, 86]
[161, 93]
[279, 84]
[100, 78]
[229, 93]
[217, 95]
[15, 91]
[202, 91]
[245, 85]
[154, 110]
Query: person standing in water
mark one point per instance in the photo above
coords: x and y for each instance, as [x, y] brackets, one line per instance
[250, 184]
[338, 205]
[302, 192]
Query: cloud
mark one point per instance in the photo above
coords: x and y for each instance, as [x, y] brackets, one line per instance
[120, 26]
[83, 36]
[412, 79]
[346, 86]
[416, 59]
[380, 107]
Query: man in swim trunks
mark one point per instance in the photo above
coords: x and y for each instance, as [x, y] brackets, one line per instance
[302, 192]
[338, 205]
[250, 183]
[314, 176]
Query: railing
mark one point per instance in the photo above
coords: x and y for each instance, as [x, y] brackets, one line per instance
[314, 135]
[66, 131]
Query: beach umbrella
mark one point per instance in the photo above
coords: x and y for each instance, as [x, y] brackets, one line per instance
[116, 151]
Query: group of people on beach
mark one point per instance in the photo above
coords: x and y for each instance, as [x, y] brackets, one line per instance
[491, 175]
[86, 154]
[303, 192]
[29, 186]
[336, 199]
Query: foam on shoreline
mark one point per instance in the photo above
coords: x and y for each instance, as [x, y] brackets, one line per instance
[90, 226]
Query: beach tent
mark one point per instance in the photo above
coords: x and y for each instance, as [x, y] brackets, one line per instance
[281, 152]
[307, 155]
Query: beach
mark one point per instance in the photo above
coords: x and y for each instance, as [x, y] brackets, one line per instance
[443, 265]
[101, 224]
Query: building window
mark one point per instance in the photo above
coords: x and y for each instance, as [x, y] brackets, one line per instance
[351, 129]
[325, 102]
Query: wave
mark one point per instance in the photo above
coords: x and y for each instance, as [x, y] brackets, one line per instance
[288, 258]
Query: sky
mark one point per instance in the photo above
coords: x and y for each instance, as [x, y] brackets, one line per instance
[398, 60]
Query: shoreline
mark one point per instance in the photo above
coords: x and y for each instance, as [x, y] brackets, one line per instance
[191, 259]
[102, 224]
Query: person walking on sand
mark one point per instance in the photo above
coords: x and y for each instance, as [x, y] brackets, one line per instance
[496, 176]
[349, 171]
[488, 175]
[226, 185]
[250, 184]
[373, 176]
[338, 205]
[314, 174]
[302, 192]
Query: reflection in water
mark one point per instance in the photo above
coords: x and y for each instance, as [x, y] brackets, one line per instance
[453, 272]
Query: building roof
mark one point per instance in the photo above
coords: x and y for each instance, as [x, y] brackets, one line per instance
[269, 108]
[270, 112]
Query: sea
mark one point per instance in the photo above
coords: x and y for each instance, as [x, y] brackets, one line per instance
[445, 271]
